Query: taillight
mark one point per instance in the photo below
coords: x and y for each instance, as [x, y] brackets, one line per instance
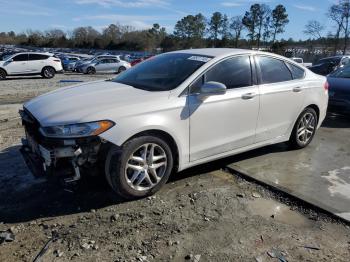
[326, 86]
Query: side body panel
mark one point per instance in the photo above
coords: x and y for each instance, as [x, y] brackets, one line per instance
[222, 123]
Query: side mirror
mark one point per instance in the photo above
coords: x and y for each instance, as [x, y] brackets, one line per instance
[213, 88]
[10, 61]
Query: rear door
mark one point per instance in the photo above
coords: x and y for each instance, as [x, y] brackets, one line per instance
[282, 92]
[113, 65]
[18, 65]
[36, 62]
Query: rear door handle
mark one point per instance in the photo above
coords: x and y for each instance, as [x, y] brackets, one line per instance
[297, 89]
[248, 96]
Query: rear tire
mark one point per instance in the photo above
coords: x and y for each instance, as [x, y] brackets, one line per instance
[91, 71]
[140, 168]
[2, 74]
[304, 129]
[48, 72]
[121, 69]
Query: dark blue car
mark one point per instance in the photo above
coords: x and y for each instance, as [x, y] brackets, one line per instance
[339, 91]
[67, 60]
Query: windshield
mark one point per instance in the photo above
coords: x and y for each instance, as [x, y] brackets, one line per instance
[343, 72]
[4, 57]
[162, 73]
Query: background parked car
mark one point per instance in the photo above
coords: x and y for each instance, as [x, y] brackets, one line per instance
[301, 61]
[79, 65]
[105, 65]
[327, 65]
[339, 90]
[66, 60]
[44, 64]
[139, 60]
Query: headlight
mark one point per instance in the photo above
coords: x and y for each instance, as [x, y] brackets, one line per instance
[77, 130]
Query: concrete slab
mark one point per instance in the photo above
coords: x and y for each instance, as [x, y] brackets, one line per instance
[319, 174]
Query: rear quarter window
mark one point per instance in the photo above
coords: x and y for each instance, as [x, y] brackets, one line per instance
[297, 72]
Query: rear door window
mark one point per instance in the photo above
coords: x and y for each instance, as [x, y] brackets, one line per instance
[19, 58]
[113, 61]
[33, 57]
[273, 70]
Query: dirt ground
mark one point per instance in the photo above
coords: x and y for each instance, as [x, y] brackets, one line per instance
[202, 214]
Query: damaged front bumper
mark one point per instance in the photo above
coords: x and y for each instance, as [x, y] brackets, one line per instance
[66, 158]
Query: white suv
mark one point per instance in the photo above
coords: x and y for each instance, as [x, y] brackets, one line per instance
[20, 64]
[172, 112]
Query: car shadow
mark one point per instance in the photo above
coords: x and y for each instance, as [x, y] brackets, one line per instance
[24, 198]
[23, 77]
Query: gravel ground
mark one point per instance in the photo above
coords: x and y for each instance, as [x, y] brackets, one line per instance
[202, 214]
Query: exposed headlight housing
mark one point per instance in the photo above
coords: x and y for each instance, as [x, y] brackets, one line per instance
[77, 130]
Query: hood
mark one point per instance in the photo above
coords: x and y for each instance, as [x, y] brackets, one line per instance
[91, 102]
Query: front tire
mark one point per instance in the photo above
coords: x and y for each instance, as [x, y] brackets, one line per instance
[91, 71]
[48, 72]
[2, 74]
[140, 168]
[304, 129]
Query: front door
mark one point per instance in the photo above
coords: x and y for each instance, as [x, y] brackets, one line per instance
[222, 123]
[18, 65]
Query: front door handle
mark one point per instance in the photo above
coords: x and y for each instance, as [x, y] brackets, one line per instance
[248, 96]
[297, 89]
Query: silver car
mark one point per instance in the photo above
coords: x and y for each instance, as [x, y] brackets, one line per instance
[105, 65]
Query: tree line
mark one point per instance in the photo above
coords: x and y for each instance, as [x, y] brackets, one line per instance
[259, 27]
[339, 14]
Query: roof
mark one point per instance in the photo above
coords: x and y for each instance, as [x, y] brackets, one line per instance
[35, 53]
[216, 52]
[335, 57]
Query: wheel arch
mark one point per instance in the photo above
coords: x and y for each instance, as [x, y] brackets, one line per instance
[314, 107]
[164, 135]
[317, 110]
[3, 69]
[48, 66]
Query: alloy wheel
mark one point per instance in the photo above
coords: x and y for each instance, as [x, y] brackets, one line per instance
[146, 167]
[306, 128]
[2, 75]
[49, 72]
[121, 69]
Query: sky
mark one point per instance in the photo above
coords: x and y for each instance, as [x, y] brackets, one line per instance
[19, 16]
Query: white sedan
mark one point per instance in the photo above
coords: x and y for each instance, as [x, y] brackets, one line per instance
[172, 112]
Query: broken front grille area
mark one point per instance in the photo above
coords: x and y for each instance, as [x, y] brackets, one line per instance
[61, 156]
